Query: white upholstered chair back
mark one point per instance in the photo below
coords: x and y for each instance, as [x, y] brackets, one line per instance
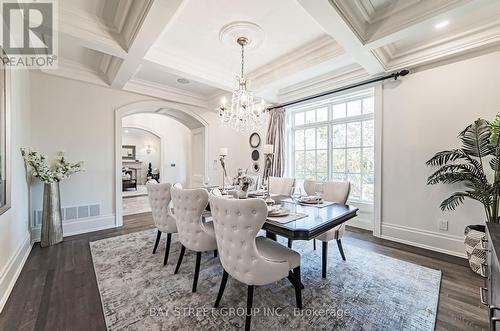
[310, 187]
[337, 192]
[236, 223]
[189, 205]
[159, 200]
[281, 185]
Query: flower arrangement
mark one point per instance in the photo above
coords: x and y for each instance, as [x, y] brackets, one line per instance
[243, 180]
[41, 169]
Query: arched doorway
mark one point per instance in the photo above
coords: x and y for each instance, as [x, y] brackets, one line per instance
[147, 145]
[184, 114]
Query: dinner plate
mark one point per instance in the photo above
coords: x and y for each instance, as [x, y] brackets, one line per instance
[311, 201]
[279, 212]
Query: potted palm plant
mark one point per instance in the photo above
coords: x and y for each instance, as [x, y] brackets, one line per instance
[476, 165]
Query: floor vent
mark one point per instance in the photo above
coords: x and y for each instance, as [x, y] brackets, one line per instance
[69, 214]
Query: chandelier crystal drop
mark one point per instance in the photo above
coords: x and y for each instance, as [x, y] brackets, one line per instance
[245, 112]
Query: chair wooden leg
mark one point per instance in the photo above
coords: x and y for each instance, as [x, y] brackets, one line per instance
[158, 236]
[248, 319]
[179, 261]
[324, 258]
[221, 289]
[339, 243]
[196, 271]
[298, 287]
[314, 244]
[290, 242]
[167, 248]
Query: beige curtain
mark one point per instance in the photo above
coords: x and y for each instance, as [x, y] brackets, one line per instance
[276, 137]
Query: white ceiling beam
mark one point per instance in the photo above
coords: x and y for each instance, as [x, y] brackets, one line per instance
[108, 46]
[157, 20]
[452, 14]
[334, 24]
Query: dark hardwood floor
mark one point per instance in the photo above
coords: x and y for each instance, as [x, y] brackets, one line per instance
[57, 289]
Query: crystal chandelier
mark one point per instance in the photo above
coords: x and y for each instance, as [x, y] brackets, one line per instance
[245, 112]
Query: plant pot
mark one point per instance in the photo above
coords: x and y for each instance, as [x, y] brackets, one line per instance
[476, 254]
[52, 232]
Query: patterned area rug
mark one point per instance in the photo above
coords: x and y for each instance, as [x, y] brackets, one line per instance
[367, 292]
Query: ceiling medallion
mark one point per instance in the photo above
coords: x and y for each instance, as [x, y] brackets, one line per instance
[230, 33]
[245, 112]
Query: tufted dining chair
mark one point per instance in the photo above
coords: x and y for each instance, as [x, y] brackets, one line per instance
[249, 259]
[194, 234]
[159, 200]
[281, 185]
[337, 192]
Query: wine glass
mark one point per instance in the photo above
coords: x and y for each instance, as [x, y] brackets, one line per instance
[206, 182]
[296, 195]
[318, 189]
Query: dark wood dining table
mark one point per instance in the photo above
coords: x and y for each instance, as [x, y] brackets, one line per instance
[319, 220]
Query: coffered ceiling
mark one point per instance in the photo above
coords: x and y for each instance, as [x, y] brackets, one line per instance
[182, 50]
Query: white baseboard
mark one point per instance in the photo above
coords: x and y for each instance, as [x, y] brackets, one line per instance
[361, 222]
[434, 241]
[72, 228]
[11, 271]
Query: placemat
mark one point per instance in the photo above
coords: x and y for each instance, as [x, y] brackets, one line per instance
[321, 205]
[286, 219]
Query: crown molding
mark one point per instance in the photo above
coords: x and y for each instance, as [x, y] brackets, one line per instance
[109, 66]
[88, 31]
[121, 13]
[329, 81]
[76, 71]
[411, 15]
[403, 14]
[132, 16]
[372, 15]
[165, 92]
[118, 33]
[477, 39]
[318, 51]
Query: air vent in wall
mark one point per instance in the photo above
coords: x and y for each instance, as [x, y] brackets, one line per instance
[69, 214]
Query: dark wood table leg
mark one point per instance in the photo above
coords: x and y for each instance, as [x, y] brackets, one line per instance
[271, 235]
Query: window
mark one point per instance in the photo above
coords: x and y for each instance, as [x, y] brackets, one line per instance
[334, 140]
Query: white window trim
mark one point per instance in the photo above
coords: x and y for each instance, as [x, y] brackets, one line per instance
[291, 128]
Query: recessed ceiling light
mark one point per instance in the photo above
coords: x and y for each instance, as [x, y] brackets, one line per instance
[442, 24]
[183, 81]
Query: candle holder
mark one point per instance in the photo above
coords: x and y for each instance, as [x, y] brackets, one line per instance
[269, 162]
[223, 154]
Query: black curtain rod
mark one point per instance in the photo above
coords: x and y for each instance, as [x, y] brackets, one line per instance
[345, 88]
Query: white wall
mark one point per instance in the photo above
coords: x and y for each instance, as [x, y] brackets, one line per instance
[143, 140]
[15, 243]
[176, 142]
[421, 116]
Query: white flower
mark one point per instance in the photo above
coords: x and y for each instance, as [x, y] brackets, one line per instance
[38, 164]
